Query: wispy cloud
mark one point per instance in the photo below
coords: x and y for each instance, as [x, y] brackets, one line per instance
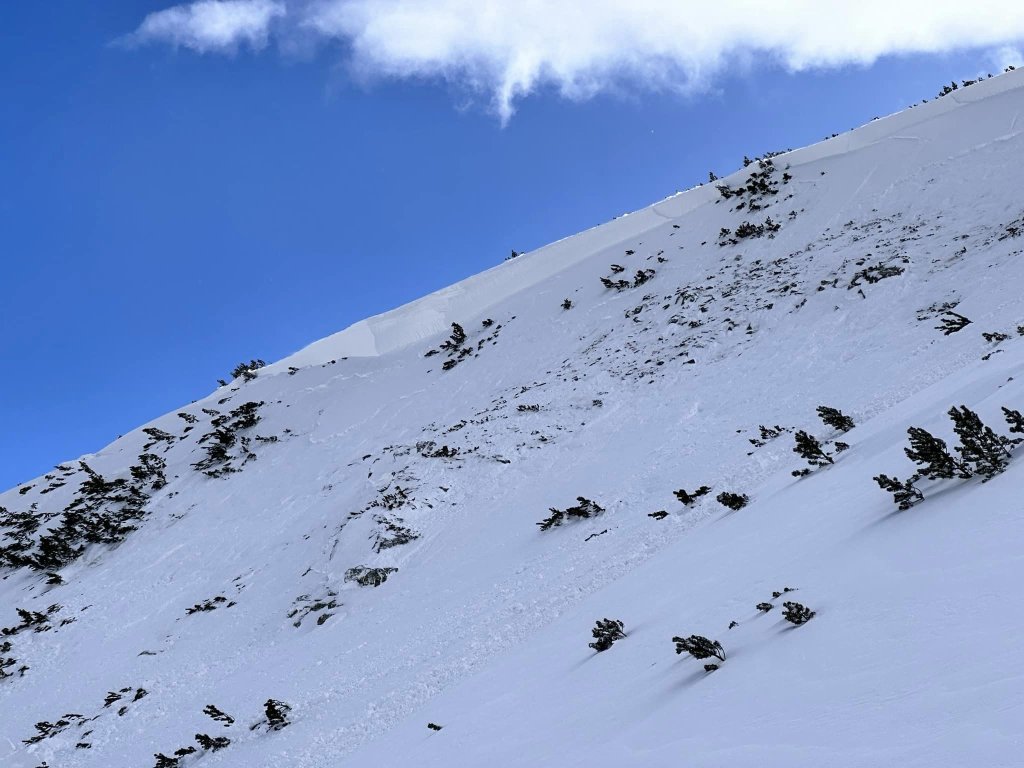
[211, 25]
[1007, 56]
[508, 48]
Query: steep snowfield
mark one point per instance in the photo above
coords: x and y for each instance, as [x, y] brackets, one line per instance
[440, 466]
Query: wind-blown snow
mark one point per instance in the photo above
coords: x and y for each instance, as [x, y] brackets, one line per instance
[911, 660]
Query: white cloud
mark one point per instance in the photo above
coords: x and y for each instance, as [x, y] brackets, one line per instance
[1007, 56]
[211, 25]
[508, 48]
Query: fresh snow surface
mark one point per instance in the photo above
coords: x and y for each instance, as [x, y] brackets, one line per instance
[912, 659]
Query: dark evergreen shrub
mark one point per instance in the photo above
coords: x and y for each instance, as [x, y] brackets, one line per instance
[979, 445]
[952, 323]
[584, 509]
[567, 304]
[456, 340]
[795, 613]
[606, 632]
[809, 449]
[212, 743]
[434, 726]
[767, 434]
[277, 714]
[150, 470]
[904, 493]
[689, 498]
[835, 418]
[218, 715]
[247, 371]
[764, 607]
[1016, 423]
[930, 453]
[642, 276]
[699, 647]
[734, 501]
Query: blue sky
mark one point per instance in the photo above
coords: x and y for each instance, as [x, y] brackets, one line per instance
[166, 213]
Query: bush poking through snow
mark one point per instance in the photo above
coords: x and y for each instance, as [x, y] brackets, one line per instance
[584, 509]
[456, 340]
[689, 498]
[809, 449]
[150, 469]
[276, 716]
[699, 647]
[163, 761]
[567, 304]
[795, 613]
[218, 715]
[1016, 423]
[764, 607]
[734, 501]
[212, 743]
[434, 726]
[979, 445]
[833, 417]
[606, 632]
[930, 453]
[952, 323]
[247, 371]
[904, 493]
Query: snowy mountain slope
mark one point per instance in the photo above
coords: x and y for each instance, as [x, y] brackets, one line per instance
[240, 588]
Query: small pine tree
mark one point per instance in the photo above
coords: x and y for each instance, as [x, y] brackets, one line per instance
[606, 632]
[584, 509]
[218, 715]
[212, 743]
[930, 453]
[835, 418]
[567, 304]
[905, 494]
[689, 498]
[952, 324]
[1016, 423]
[699, 647]
[979, 445]
[734, 501]
[795, 613]
[277, 714]
[457, 338]
[808, 448]
[247, 371]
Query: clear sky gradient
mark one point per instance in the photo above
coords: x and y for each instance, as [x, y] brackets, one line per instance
[165, 214]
